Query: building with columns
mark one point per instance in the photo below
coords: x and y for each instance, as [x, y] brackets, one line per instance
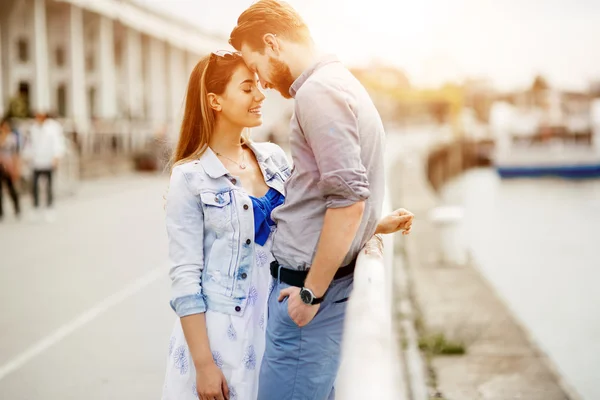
[103, 60]
[104, 67]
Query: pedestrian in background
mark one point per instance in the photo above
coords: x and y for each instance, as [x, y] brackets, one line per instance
[9, 166]
[44, 149]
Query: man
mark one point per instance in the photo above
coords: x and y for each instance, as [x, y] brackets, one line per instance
[45, 148]
[333, 199]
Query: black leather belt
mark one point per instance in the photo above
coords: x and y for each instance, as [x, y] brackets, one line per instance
[296, 278]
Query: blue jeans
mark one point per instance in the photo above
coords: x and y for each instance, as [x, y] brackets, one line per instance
[302, 363]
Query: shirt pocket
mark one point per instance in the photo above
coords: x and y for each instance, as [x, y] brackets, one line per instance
[217, 209]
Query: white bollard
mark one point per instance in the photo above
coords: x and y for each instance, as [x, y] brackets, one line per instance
[447, 220]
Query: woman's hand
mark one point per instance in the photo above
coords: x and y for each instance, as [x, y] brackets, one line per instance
[397, 220]
[211, 383]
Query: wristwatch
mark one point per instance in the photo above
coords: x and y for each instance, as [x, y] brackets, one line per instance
[308, 297]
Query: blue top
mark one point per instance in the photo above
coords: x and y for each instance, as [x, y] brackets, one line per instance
[262, 207]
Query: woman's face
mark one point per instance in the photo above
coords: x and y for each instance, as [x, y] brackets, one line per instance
[241, 103]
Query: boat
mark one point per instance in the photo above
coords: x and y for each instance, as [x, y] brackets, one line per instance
[535, 142]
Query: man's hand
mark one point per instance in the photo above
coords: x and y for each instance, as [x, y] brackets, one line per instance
[399, 219]
[211, 383]
[299, 312]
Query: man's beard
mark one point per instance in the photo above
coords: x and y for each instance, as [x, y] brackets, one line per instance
[281, 78]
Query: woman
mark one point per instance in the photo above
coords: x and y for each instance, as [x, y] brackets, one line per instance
[9, 166]
[222, 190]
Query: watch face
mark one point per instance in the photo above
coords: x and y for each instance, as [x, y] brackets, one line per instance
[306, 296]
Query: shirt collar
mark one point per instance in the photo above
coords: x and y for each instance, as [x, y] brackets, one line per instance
[324, 60]
[215, 168]
[212, 165]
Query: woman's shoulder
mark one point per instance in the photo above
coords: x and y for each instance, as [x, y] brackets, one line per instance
[189, 174]
[186, 167]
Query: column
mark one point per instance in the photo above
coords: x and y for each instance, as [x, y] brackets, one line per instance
[78, 97]
[108, 84]
[157, 82]
[42, 84]
[134, 74]
[177, 83]
[191, 61]
[3, 96]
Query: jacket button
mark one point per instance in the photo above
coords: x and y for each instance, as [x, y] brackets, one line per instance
[245, 206]
[248, 241]
[244, 275]
[238, 308]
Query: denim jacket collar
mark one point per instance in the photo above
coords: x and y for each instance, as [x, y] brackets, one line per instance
[215, 168]
[212, 165]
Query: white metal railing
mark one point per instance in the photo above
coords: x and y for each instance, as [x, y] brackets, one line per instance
[370, 364]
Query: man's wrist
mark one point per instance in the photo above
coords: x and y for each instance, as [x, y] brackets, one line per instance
[316, 289]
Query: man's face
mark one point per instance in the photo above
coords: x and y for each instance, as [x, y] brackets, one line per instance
[272, 72]
[40, 117]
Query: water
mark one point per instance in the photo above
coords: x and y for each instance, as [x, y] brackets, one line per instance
[537, 242]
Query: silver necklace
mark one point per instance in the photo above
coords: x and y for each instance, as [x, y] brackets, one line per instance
[242, 165]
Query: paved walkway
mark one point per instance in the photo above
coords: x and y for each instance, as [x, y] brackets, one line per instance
[85, 308]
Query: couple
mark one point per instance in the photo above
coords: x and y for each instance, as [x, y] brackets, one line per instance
[262, 254]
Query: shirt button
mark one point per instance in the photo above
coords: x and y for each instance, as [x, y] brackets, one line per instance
[238, 308]
[244, 275]
[234, 181]
[217, 199]
[248, 241]
[245, 206]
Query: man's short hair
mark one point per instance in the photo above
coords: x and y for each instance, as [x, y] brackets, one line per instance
[268, 16]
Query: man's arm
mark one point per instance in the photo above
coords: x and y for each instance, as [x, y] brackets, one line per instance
[331, 129]
[339, 230]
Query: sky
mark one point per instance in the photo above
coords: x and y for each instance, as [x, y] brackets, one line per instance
[435, 41]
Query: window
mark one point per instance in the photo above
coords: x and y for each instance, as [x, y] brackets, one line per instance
[89, 62]
[59, 54]
[61, 100]
[92, 102]
[23, 50]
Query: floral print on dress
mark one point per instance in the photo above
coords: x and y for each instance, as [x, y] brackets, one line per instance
[231, 333]
[171, 345]
[252, 295]
[250, 358]
[232, 393]
[181, 360]
[261, 258]
[218, 359]
[261, 322]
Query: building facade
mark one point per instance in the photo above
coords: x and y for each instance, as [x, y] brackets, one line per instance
[97, 61]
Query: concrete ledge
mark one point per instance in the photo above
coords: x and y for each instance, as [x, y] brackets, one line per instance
[370, 364]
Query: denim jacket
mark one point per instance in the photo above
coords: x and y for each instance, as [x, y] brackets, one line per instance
[210, 226]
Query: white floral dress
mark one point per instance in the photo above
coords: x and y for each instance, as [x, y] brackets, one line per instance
[237, 342]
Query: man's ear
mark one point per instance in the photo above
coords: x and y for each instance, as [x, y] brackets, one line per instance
[271, 43]
[214, 102]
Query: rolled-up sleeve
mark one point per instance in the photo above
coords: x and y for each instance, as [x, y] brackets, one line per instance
[185, 229]
[330, 127]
